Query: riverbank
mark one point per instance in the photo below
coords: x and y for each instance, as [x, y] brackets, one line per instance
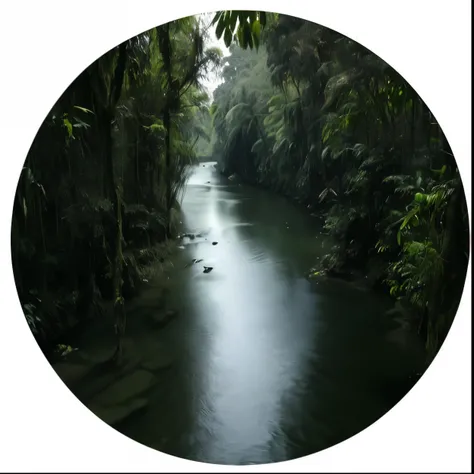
[255, 363]
[369, 279]
[401, 318]
[115, 392]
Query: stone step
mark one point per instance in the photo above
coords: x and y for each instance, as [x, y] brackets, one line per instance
[113, 415]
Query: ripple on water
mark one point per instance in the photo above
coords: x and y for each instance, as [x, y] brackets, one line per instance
[271, 367]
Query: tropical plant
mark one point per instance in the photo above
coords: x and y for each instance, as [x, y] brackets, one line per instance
[333, 126]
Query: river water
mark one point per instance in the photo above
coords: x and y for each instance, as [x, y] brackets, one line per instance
[269, 366]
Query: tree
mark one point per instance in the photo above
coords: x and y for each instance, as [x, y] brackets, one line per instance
[93, 203]
[241, 26]
[345, 134]
[188, 72]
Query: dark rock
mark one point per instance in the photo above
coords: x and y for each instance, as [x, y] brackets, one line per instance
[72, 373]
[214, 243]
[158, 362]
[105, 376]
[162, 318]
[119, 400]
[208, 269]
[117, 414]
[193, 261]
[127, 388]
[400, 317]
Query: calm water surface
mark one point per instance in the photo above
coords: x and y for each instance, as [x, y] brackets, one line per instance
[268, 366]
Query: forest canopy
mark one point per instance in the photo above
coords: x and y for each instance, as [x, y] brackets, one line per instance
[101, 184]
[316, 116]
[302, 111]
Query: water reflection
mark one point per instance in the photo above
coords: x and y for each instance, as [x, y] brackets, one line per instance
[270, 367]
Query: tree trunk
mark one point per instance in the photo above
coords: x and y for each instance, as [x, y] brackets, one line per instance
[165, 49]
[137, 165]
[116, 240]
[114, 194]
[167, 125]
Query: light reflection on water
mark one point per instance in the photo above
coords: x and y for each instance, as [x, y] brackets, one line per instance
[270, 367]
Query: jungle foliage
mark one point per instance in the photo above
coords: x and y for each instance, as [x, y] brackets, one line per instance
[101, 184]
[316, 116]
[303, 111]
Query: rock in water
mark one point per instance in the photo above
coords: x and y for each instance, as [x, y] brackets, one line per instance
[208, 269]
[214, 243]
[193, 261]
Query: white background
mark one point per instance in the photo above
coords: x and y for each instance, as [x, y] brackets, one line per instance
[44, 46]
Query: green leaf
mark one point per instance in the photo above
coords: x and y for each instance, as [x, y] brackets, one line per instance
[240, 36]
[399, 237]
[440, 171]
[81, 124]
[256, 41]
[220, 28]
[216, 17]
[68, 126]
[227, 37]
[256, 28]
[233, 21]
[83, 109]
[247, 36]
[419, 197]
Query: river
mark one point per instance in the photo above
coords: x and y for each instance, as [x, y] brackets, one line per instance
[269, 366]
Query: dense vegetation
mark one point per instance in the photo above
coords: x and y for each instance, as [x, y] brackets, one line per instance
[101, 183]
[303, 111]
[316, 116]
